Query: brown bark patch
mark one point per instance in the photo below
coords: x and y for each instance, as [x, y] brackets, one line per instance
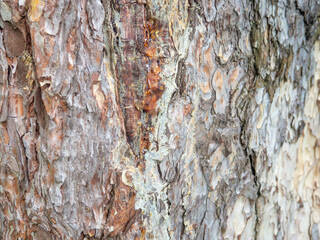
[14, 41]
[123, 208]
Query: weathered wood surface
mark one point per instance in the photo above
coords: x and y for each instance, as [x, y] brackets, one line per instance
[158, 119]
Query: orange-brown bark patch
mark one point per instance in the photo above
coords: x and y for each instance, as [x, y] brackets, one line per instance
[123, 208]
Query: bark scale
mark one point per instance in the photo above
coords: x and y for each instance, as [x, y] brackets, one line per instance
[140, 119]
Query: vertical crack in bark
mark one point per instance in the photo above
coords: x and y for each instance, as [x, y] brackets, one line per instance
[139, 67]
[249, 155]
[180, 77]
[9, 74]
[253, 170]
[182, 218]
[256, 225]
[36, 103]
[252, 158]
[108, 213]
[24, 159]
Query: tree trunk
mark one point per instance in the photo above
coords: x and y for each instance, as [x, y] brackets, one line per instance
[140, 119]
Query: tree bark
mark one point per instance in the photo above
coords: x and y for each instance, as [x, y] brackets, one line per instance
[140, 119]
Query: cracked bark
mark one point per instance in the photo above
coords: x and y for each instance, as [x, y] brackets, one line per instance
[138, 119]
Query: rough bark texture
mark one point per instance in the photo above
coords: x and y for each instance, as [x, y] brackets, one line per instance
[158, 119]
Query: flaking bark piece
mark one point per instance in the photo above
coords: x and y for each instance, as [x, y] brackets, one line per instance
[14, 41]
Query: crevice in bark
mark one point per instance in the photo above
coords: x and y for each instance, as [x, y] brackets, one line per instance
[112, 193]
[183, 227]
[252, 158]
[249, 154]
[131, 222]
[201, 223]
[35, 102]
[203, 169]
[159, 171]
[309, 22]
[138, 67]
[9, 75]
[24, 158]
[180, 76]
[256, 225]
[252, 165]
[40, 110]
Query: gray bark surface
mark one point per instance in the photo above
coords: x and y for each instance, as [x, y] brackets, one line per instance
[159, 119]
